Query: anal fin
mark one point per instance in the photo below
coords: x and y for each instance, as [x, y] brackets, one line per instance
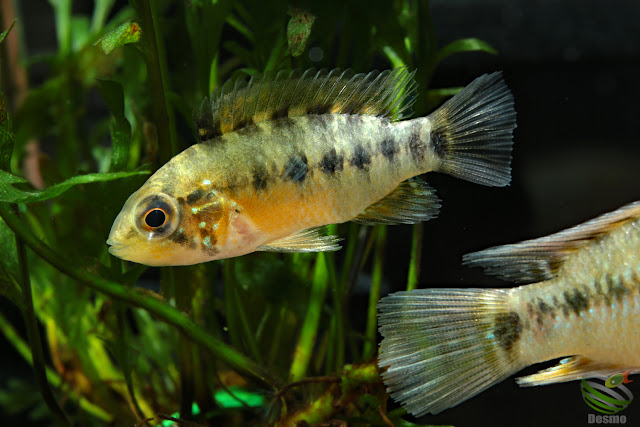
[411, 202]
[309, 240]
[570, 369]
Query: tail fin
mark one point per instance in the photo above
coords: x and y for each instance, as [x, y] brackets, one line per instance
[444, 346]
[473, 132]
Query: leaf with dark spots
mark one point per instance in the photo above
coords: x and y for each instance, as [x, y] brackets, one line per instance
[298, 30]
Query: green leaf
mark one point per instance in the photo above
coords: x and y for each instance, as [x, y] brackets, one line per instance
[128, 32]
[113, 95]
[464, 45]
[6, 136]
[4, 34]
[10, 194]
[436, 96]
[299, 30]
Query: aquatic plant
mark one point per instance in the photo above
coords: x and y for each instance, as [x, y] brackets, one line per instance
[264, 338]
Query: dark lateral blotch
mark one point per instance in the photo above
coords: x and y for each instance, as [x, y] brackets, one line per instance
[576, 301]
[439, 143]
[260, 178]
[388, 148]
[361, 158]
[507, 329]
[331, 162]
[416, 147]
[297, 168]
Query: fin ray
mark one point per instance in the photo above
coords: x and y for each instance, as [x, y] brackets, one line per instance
[539, 259]
[473, 132]
[309, 240]
[239, 103]
[411, 202]
[570, 369]
[434, 337]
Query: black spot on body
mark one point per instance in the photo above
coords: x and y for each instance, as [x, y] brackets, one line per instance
[182, 239]
[543, 307]
[195, 196]
[297, 168]
[576, 301]
[243, 123]
[281, 113]
[361, 158]
[439, 143]
[507, 329]
[260, 177]
[617, 289]
[319, 109]
[331, 162]
[416, 147]
[388, 148]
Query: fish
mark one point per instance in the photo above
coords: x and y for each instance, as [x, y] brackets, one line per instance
[283, 155]
[579, 300]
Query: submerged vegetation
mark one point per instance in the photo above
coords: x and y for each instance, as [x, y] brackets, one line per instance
[261, 339]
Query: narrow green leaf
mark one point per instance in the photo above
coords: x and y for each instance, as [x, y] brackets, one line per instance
[8, 193]
[464, 45]
[4, 34]
[120, 128]
[299, 30]
[128, 32]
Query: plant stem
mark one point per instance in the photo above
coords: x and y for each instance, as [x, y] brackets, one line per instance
[159, 309]
[35, 340]
[309, 331]
[158, 79]
[369, 347]
[416, 255]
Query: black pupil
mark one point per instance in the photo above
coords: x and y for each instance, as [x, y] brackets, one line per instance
[155, 218]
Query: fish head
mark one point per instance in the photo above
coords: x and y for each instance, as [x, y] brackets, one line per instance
[158, 228]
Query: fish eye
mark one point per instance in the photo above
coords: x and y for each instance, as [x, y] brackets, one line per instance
[157, 216]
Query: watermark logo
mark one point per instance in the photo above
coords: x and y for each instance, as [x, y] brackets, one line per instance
[607, 396]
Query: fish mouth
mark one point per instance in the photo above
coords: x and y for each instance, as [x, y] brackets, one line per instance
[115, 247]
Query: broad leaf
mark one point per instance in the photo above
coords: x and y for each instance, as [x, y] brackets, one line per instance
[299, 30]
[128, 32]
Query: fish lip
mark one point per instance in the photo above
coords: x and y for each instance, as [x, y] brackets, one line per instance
[114, 246]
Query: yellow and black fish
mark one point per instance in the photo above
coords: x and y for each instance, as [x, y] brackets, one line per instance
[444, 346]
[283, 155]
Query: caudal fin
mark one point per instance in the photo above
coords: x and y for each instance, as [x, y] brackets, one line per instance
[444, 346]
[473, 132]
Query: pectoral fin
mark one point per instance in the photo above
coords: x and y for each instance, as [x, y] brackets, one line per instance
[309, 240]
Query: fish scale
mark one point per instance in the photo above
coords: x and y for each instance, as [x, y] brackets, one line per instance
[281, 156]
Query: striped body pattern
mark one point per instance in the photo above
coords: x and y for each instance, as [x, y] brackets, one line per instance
[584, 304]
[281, 156]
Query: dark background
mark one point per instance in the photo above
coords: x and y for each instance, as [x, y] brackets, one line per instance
[573, 67]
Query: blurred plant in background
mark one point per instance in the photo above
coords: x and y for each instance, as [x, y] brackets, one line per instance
[261, 339]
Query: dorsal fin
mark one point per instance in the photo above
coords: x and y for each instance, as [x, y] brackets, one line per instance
[238, 103]
[539, 259]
